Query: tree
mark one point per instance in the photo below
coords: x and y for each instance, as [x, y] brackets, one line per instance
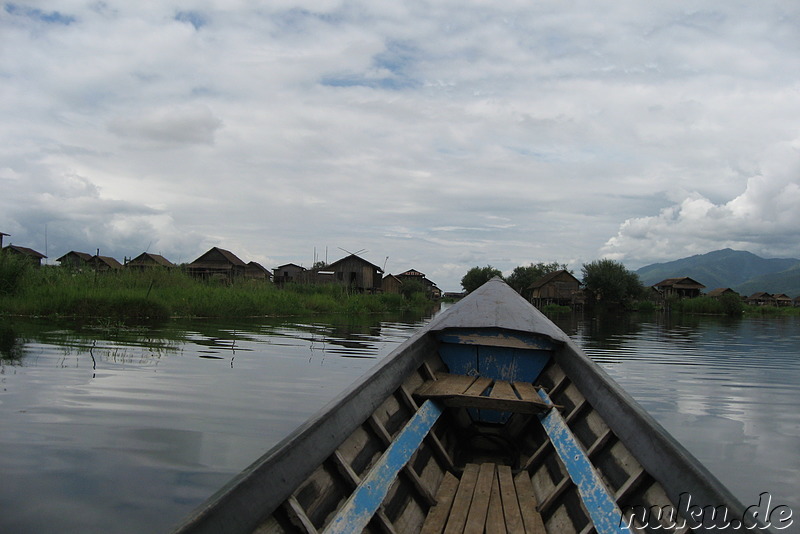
[477, 276]
[411, 287]
[523, 277]
[609, 282]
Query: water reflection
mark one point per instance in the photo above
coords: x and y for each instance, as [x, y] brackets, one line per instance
[725, 388]
[133, 427]
[10, 346]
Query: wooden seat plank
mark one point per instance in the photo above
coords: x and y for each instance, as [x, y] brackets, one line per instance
[437, 515]
[463, 498]
[478, 387]
[490, 403]
[462, 391]
[527, 392]
[503, 390]
[445, 384]
[508, 493]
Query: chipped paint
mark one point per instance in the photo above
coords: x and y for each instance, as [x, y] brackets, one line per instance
[603, 510]
[367, 498]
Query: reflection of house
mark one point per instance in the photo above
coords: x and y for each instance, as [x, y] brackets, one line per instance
[75, 260]
[557, 287]
[103, 263]
[28, 253]
[217, 263]
[288, 272]
[430, 287]
[257, 271]
[720, 291]
[357, 273]
[761, 298]
[146, 260]
[782, 300]
[391, 284]
[681, 287]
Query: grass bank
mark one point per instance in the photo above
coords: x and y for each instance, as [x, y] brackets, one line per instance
[730, 305]
[160, 294]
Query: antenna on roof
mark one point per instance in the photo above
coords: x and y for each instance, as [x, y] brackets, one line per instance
[353, 253]
[384, 263]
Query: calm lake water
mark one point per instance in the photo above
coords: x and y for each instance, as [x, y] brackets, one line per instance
[127, 430]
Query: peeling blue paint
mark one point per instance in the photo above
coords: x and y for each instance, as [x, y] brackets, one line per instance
[603, 509]
[367, 498]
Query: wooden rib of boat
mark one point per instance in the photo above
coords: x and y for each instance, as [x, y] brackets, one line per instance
[489, 419]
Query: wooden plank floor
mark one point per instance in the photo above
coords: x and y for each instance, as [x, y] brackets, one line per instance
[486, 500]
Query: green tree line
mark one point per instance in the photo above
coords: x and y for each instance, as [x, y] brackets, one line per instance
[608, 284]
[605, 281]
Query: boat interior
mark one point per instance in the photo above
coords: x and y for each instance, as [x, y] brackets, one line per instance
[487, 434]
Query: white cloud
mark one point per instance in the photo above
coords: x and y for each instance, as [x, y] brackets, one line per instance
[763, 219]
[443, 136]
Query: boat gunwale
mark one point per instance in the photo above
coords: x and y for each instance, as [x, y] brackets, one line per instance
[659, 453]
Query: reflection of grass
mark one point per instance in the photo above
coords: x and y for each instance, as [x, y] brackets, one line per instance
[159, 294]
[556, 309]
[9, 348]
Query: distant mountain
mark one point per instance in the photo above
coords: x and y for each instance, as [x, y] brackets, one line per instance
[787, 281]
[742, 271]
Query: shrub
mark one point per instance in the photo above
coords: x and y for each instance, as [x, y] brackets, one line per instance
[12, 270]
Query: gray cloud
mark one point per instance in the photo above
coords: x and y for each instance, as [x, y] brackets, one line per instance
[168, 127]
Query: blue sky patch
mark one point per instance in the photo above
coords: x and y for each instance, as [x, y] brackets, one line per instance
[52, 17]
[396, 58]
[192, 17]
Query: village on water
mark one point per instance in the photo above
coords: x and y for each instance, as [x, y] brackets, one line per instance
[558, 287]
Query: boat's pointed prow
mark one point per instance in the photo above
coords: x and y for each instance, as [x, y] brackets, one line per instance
[495, 304]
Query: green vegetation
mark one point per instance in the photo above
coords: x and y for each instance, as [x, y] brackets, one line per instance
[730, 305]
[477, 276]
[770, 310]
[161, 293]
[608, 282]
[708, 306]
[12, 270]
[523, 277]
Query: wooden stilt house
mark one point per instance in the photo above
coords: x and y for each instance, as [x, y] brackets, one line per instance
[217, 263]
[75, 260]
[357, 273]
[28, 253]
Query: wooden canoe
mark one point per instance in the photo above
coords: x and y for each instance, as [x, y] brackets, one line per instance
[489, 419]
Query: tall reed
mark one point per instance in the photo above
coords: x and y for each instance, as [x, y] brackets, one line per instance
[160, 293]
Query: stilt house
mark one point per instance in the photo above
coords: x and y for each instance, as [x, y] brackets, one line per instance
[357, 273]
[217, 263]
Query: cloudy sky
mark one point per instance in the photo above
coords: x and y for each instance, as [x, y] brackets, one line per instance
[431, 135]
